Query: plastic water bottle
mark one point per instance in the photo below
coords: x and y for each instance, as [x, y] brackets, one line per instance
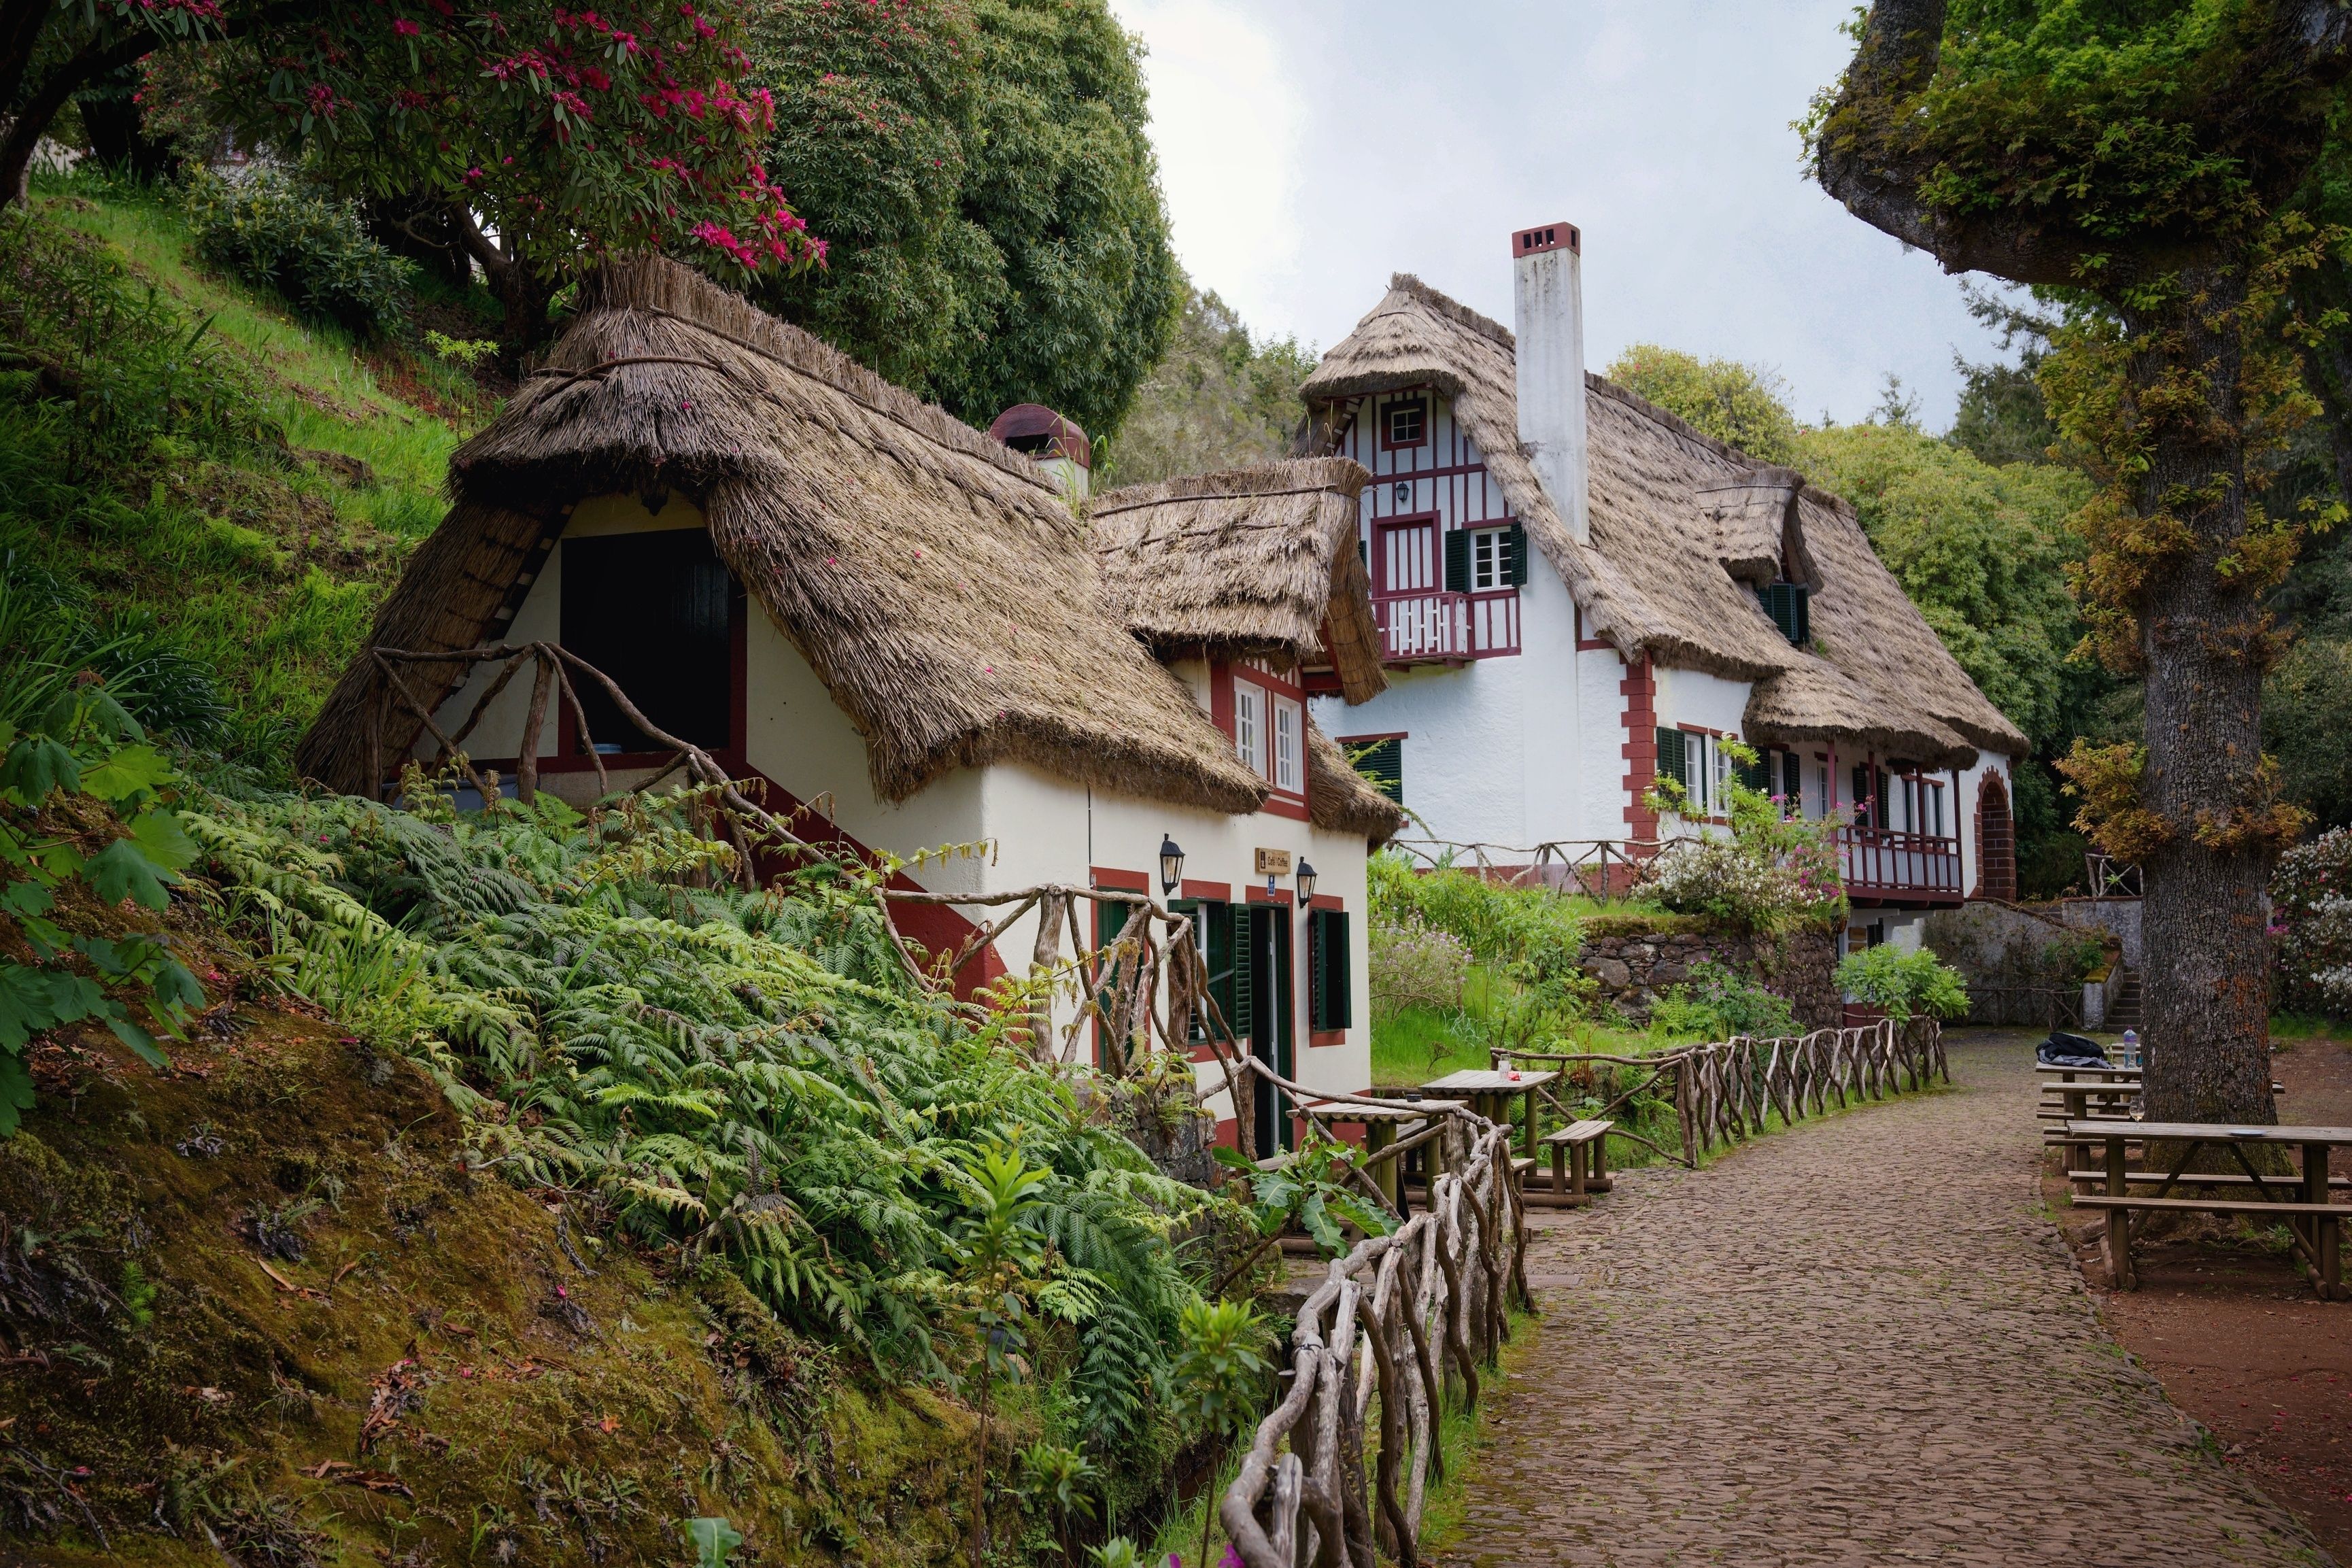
[2131, 1047]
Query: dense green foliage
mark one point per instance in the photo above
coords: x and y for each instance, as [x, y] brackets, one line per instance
[1499, 923]
[741, 1075]
[991, 204]
[1903, 984]
[1219, 399]
[1719, 1003]
[80, 768]
[272, 232]
[1736, 404]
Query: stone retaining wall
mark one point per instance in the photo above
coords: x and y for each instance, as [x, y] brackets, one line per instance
[1633, 969]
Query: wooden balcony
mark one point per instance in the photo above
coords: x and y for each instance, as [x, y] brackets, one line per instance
[1881, 865]
[1447, 629]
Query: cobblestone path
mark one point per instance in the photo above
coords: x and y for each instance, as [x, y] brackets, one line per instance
[1856, 1341]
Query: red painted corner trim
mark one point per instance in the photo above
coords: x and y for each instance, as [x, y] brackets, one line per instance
[1326, 1036]
[1328, 902]
[1120, 881]
[1212, 892]
[1286, 806]
[1367, 740]
[1260, 895]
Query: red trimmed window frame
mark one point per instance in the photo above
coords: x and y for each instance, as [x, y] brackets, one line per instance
[1387, 422]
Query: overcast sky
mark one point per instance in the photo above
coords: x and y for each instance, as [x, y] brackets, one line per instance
[1309, 148]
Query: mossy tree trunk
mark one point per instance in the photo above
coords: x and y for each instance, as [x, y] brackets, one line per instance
[2148, 168]
[2204, 647]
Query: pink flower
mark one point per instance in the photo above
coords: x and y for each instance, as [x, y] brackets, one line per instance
[402, 27]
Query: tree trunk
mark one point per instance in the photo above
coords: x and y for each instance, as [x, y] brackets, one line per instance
[40, 109]
[2207, 984]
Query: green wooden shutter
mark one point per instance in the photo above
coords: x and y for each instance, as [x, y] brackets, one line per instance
[1792, 779]
[1242, 950]
[1217, 935]
[1457, 562]
[1862, 792]
[1756, 775]
[1364, 551]
[1514, 555]
[1317, 993]
[1791, 606]
[1383, 764]
[1670, 757]
[1335, 982]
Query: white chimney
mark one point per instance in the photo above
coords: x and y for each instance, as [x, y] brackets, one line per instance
[1549, 295]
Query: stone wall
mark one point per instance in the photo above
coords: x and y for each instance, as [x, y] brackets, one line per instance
[1634, 968]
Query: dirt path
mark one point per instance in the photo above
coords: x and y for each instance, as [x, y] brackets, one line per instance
[1858, 1342]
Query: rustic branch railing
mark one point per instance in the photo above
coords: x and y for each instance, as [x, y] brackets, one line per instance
[1397, 1321]
[1600, 869]
[1726, 1090]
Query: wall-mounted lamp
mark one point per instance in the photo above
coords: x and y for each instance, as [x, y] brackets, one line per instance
[1171, 867]
[1305, 883]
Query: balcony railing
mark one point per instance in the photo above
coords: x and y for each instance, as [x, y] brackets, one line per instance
[1419, 629]
[1882, 862]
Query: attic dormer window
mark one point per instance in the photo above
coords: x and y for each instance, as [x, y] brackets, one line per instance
[1791, 606]
[1405, 422]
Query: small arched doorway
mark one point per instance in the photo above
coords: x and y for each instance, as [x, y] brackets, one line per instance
[1996, 842]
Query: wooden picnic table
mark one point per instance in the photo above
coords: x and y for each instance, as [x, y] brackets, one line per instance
[1381, 1124]
[1489, 1090]
[2302, 1200]
[2068, 1075]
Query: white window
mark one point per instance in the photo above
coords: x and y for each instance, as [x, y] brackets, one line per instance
[1289, 725]
[1935, 812]
[1488, 570]
[1249, 726]
[1698, 777]
[1719, 774]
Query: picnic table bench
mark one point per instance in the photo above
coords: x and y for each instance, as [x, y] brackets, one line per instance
[2302, 1201]
[1579, 1162]
[1384, 1126]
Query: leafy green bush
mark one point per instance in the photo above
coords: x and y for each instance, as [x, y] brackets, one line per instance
[1499, 923]
[1719, 1003]
[277, 233]
[82, 770]
[1903, 985]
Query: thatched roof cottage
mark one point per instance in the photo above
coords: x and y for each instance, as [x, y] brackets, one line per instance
[1577, 594]
[901, 627]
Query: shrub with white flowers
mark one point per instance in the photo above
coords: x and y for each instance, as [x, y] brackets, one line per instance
[2311, 924]
[1775, 870]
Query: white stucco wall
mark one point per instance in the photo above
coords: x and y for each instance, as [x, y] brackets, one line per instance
[1038, 827]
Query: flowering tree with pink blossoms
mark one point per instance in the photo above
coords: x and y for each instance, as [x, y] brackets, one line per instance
[547, 134]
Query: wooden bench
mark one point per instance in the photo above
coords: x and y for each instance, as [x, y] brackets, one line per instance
[1578, 1162]
[2197, 1179]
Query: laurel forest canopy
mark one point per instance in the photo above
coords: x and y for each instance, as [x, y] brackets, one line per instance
[2148, 160]
[981, 172]
[537, 135]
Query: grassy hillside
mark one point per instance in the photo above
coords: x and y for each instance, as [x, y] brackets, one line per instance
[203, 485]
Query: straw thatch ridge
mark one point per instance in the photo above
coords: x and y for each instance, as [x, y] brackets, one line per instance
[1678, 519]
[940, 588]
[1342, 799]
[1249, 563]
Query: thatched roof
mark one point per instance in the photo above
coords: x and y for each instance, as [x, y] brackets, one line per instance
[1678, 520]
[1342, 799]
[1250, 563]
[935, 582]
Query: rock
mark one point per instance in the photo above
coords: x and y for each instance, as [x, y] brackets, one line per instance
[1664, 975]
[1611, 972]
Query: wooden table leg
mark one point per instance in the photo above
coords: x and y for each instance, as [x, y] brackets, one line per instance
[1530, 1099]
[1378, 1135]
[1576, 1175]
[1601, 1163]
[2119, 1259]
[1559, 1169]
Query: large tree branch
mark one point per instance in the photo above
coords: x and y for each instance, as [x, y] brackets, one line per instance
[1869, 152]
[20, 33]
[33, 121]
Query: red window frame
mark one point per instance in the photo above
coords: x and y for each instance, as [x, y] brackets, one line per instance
[1388, 412]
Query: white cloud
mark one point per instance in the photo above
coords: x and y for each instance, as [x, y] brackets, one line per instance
[1226, 119]
[1311, 147]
